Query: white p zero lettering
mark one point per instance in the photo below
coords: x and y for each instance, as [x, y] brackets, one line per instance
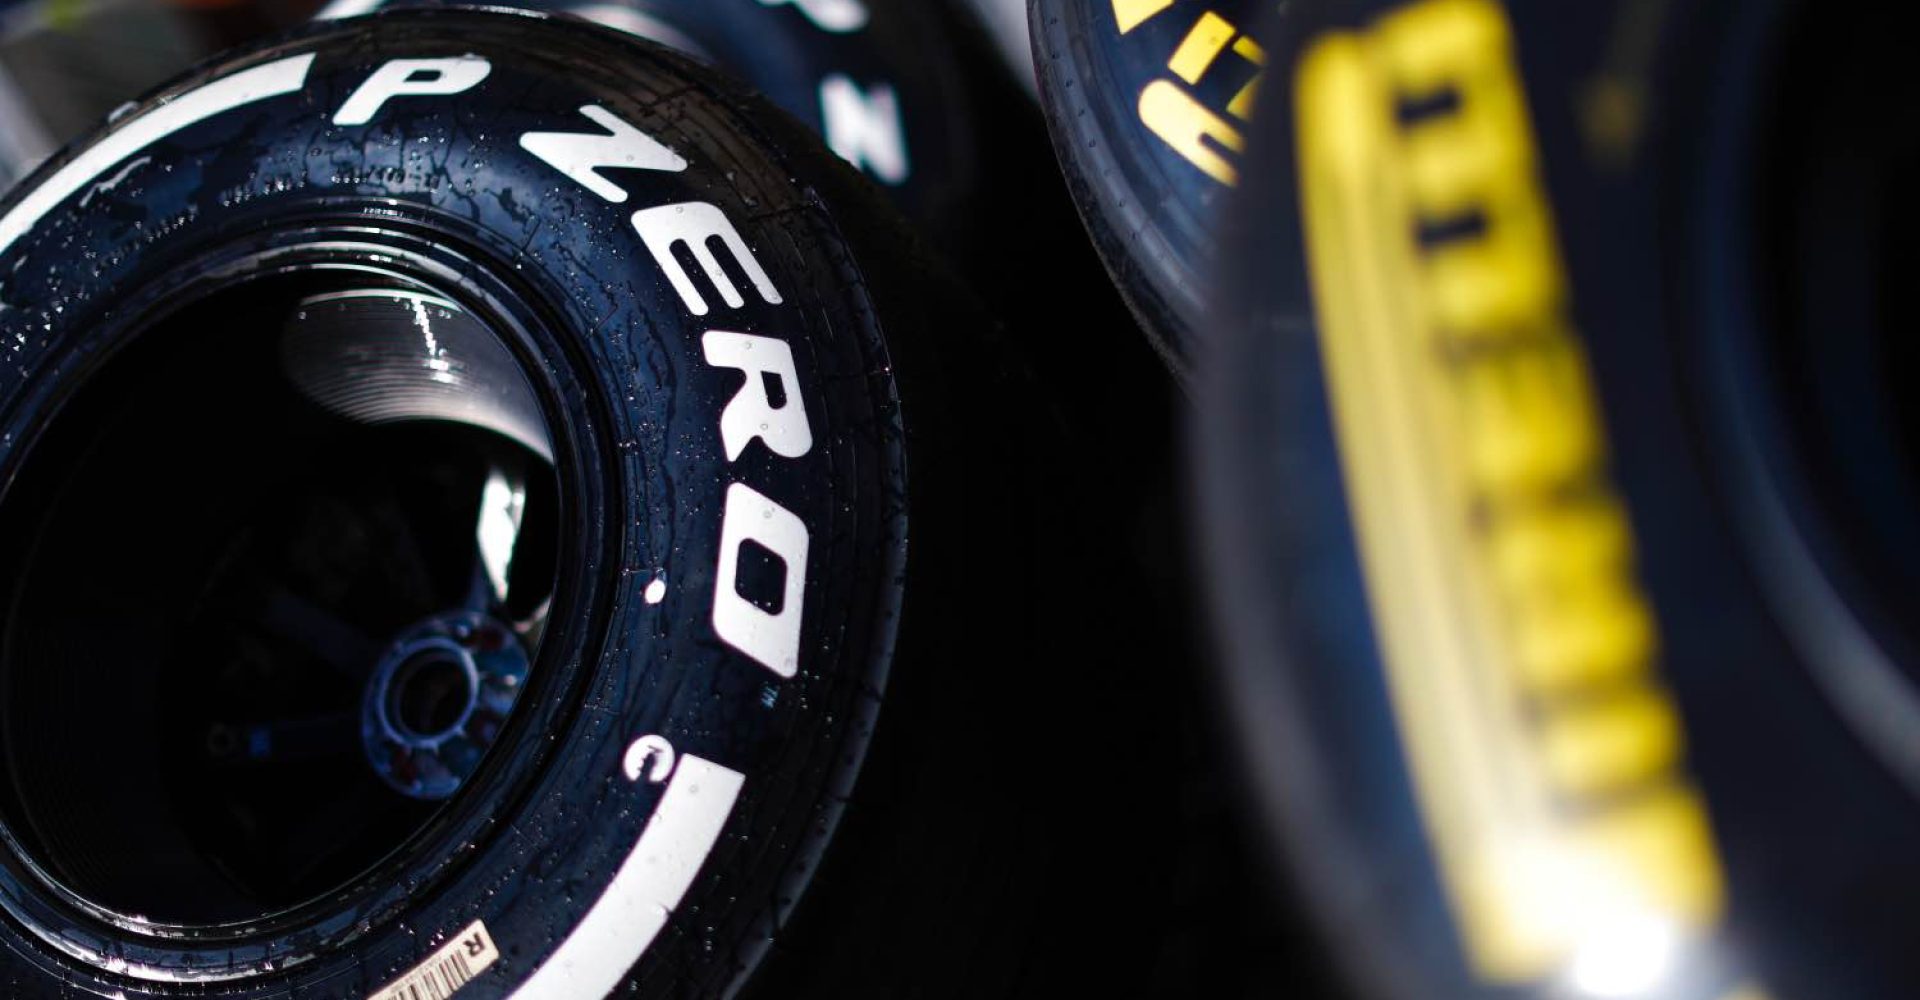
[411, 77]
[581, 156]
[770, 637]
[693, 224]
[864, 128]
[751, 413]
[767, 407]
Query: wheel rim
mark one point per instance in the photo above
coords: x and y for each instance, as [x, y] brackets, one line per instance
[270, 719]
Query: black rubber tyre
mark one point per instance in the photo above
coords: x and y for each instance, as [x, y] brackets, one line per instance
[1147, 103]
[658, 797]
[877, 79]
[1560, 487]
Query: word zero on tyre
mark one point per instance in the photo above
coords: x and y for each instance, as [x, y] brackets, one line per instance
[1561, 482]
[457, 473]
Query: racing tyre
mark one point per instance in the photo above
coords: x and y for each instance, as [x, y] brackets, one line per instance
[1560, 475]
[1147, 103]
[457, 478]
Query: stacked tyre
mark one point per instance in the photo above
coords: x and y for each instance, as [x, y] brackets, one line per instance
[1555, 477]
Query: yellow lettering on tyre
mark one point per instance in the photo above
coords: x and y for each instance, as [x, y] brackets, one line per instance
[1186, 126]
[1520, 648]
[1171, 111]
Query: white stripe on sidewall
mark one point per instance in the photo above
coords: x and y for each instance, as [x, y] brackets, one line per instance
[623, 922]
[347, 8]
[282, 76]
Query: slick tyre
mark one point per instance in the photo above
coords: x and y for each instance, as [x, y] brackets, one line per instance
[457, 478]
[1148, 103]
[1560, 480]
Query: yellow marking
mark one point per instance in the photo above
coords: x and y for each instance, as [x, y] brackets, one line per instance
[1175, 115]
[1130, 13]
[1241, 106]
[1204, 42]
[1519, 645]
[1186, 125]
[1579, 624]
[1596, 749]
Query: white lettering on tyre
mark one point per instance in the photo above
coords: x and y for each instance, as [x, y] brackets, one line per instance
[750, 413]
[770, 637]
[864, 128]
[692, 225]
[581, 156]
[411, 78]
[650, 755]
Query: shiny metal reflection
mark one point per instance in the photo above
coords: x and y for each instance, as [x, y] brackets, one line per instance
[381, 356]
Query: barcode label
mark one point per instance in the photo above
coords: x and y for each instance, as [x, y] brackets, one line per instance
[447, 969]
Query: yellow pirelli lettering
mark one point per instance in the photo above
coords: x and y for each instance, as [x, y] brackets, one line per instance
[1528, 413]
[1203, 44]
[1130, 14]
[1603, 746]
[1193, 131]
[1241, 106]
[1520, 646]
[1578, 622]
[1186, 124]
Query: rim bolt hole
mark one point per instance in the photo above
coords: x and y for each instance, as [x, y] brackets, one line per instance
[430, 694]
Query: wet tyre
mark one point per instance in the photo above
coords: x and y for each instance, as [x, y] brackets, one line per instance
[458, 477]
[1147, 102]
[1560, 479]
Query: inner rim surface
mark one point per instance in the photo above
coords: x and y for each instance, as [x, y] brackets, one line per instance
[201, 561]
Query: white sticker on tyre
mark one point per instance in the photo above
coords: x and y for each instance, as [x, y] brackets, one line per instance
[450, 967]
[593, 960]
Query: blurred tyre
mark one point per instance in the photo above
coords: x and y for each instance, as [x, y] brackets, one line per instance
[1147, 102]
[457, 471]
[1560, 486]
